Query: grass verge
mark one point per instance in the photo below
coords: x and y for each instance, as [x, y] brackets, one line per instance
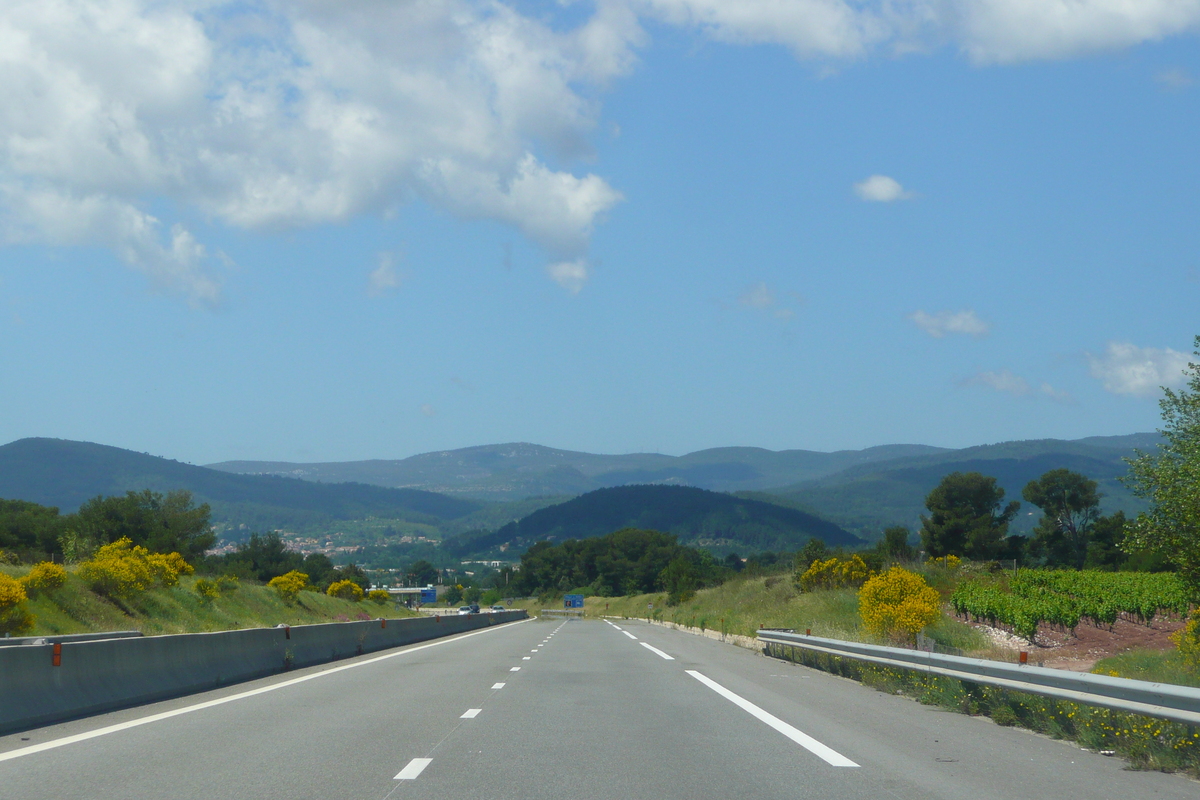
[74, 608]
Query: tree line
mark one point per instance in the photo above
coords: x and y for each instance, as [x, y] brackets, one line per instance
[169, 523]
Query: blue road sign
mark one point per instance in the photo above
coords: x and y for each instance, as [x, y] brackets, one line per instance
[429, 595]
[573, 601]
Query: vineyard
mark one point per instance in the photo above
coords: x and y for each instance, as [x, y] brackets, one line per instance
[1064, 598]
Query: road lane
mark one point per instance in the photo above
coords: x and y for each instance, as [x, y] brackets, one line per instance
[594, 714]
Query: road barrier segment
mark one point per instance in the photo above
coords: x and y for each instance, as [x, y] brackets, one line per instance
[1161, 700]
[41, 683]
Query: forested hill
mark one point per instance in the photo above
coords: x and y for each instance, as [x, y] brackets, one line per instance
[63, 473]
[719, 522]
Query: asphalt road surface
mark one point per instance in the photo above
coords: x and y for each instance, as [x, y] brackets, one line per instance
[552, 709]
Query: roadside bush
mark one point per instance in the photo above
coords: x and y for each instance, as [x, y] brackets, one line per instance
[125, 570]
[950, 562]
[346, 590]
[289, 585]
[228, 583]
[118, 570]
[208, 590]
[44, 577]
[835, 573]
[379, 596]
[8, 557]
[14, 618]
[1188, 641]
[898, 604]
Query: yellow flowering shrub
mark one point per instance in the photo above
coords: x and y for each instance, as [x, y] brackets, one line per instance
[951, 562]
[13, 616]
[898, 603]
[208, 590]
[120, 569]
[44, 577]
[347, 590]
[228, 583]
[834, 573]
[378, 596]
[289, 585]
[123, 569]
[1188, 641]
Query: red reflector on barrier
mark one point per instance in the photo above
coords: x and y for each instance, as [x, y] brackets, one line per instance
[1024, 657]
[56, 656]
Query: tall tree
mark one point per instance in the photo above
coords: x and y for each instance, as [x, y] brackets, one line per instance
[965, 517]
[161, 524]
[1070, 507]
[1170, 480]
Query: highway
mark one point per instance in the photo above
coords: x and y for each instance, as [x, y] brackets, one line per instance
[556, 709]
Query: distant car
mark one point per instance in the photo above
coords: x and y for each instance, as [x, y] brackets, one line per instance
[474, 608]
[498, 608]
[465, 610]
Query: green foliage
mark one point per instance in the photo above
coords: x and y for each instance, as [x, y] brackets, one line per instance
[1064, 597]
[894, 545]
[29, 527]
[453, 595]
[228, 583]
[1170, 480]
[379, 596]
[44, 577]
[1070, 505]
[264, 556]
[421, 573]
[628, 561]
[693, 515]
[965, 517]
[161, 524]
[813, 550]
[679, 578]
[471, 594]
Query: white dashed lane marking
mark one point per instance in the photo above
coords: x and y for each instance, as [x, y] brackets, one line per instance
[656, 651]
[471, 713]
[412, 769]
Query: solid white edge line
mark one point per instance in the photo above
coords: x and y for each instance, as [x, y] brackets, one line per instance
[134, 723]
[471, 713]
[412, 769]
[630, 635]
[656, 651]
[825, 753]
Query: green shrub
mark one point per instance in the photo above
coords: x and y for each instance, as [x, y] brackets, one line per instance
[228, 583]
[346, 590]
[44, 577]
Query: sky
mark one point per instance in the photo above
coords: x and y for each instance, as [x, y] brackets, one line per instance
[325, 231]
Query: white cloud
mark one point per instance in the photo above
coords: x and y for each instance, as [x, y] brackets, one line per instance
[290, 114]
[938, 325]
[1174, 79]
[384, 278]
[1002, 381]
[761, 298]
[1057, 395]
[1139, 371]
[881, 189]
[987, 31]
[428, 410]
[571, 275]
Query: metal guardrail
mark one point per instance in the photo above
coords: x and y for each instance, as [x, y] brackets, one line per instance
[1162, 700]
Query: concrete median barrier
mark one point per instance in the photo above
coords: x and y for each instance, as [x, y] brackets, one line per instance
[51, 682]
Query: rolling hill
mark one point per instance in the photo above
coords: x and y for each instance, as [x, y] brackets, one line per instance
[720, 522]
[867, 498]
[65, 474]
[514, 471]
